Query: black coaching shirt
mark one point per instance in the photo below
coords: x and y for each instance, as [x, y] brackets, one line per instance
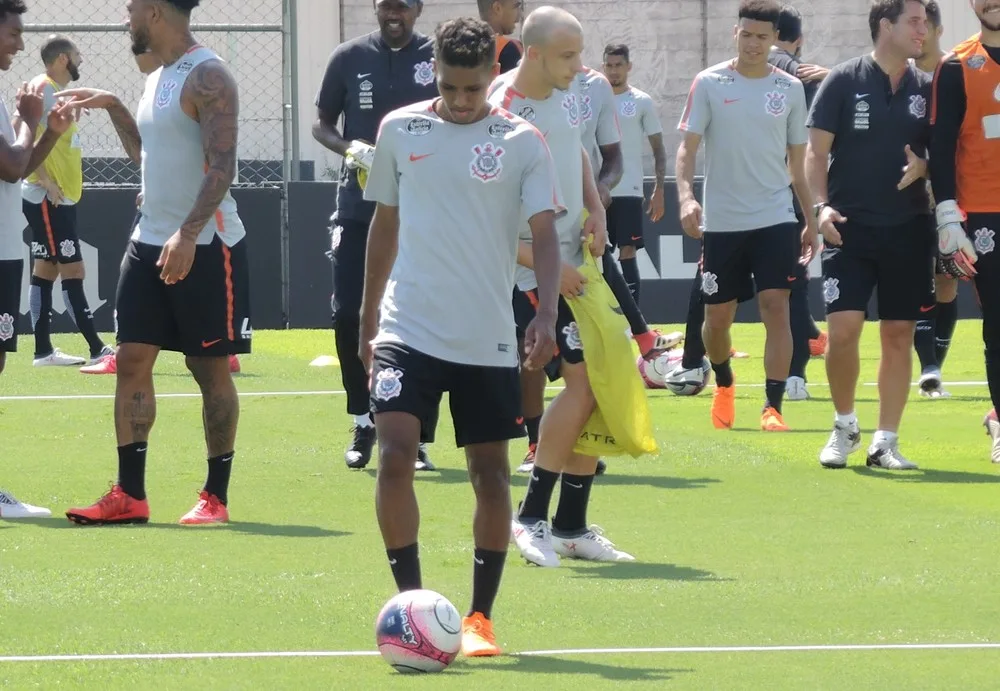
[872, 127]
[365, 79]
[786, 62]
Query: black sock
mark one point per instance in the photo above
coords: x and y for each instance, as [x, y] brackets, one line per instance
[80, 311]
[405, 565]
[947, 316]
[487, 570]
[723, 373]
[531, 424]
[814, 331]
[694, 346]
[923, 343]
[219, 469]
[613, 277]
[774, 390]
[536, 502]
[574, 497]
[800, 321]
[132, 469]
[630, 270]
[40, 300]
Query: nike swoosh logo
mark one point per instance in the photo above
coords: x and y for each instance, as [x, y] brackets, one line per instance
[519, 421]
[926, 309]
[478, 561]
[731, 100]
[860, 95]
[392, 562]
[362, 76]
[414, 157]
[575, 486]
[617, 310]
[209, 344]
[142, 449]
[791, 278]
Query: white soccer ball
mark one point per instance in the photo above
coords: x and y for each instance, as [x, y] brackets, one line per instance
[654, 372]
[690, 382]
[418, 631]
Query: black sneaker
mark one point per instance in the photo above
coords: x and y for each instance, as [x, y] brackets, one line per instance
[601, 467]
[360, 451]
[423, 461]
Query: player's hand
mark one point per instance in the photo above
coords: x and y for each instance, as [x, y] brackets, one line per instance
[85, 97]
[596, 226]
[958, 254]
[176, 258]
[540, 341]
[53, 193]
[571, 282]
[915, 169]
[810, 243]
[691, 218]
[828, 218]
[29, 104]
[604, 192]
[61, 117]
[366, 351]
[138, 201]
[811, 73]
[655, 205]
[360, 154]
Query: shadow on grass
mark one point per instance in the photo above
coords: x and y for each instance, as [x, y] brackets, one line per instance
[640, 571]
[547, 664]
[945, 477]
[453, 476]
[794, 430]
[264, 529]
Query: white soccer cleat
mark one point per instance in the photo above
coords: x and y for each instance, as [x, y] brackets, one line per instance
[843, 441]
[534, 542]
[57, 358]
[887, 456]
[10, 507]
[667, 341]
[931, 385]
[795, 389]
[992, 425]
[591, 546]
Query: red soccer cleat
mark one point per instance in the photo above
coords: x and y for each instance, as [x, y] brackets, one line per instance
[234, 364]
[106, 365]
[114, 507]
[208, 510]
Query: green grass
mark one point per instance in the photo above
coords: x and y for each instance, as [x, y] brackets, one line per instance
[742, 540]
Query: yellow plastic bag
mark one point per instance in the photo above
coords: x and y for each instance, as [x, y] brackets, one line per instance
[610, 360]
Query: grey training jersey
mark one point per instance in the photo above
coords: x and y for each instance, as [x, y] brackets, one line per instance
[747, 125]
[638, 121]
[600, 125]
[173, 159]
[559, 118]
[462, 193]
[12, 221]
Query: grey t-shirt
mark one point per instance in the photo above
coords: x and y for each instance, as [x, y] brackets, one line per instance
[638, 121]
[748, 125]
[462, 193]
[600, 124]
[560, 120]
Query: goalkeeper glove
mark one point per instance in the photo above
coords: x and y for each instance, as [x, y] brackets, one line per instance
[956, 250]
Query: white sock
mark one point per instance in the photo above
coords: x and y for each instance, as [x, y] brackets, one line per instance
[881, 436]
[364, 421]
[847, 419]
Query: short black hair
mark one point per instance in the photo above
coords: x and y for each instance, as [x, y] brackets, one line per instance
[619, 49]
[54, 46]
[789, 24]
[887, 9]
[11, 7]
[934, 13]
[183, 6]
[484, 8]
[761, 11]
[465, 42]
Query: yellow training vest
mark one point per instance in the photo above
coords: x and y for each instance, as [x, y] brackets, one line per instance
[65, 163]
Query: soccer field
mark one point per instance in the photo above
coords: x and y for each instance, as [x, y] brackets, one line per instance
[746, 548]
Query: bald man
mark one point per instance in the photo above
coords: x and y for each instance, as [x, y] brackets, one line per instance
[544, 90]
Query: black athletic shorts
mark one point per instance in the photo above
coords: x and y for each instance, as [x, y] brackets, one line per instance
[898, 260]
[983, 231]
[11, 277]
[767, 255]
[207, 314]
[625, 222]
[53, 231]
[485, 402]
[568, 345]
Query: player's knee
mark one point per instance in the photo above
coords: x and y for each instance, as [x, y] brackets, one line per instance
[718, 317]
[946, 288]
[207, 371]
[896, 335]
[773, 305]
[578, 385]
[46, 269]
[74, 271]
[395, 461]
[489, 473]
[135, 360]
[626, 252]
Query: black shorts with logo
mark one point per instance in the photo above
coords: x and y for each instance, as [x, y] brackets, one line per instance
[205, 315]
[485, 402]
[898, 260]
[568, 345]
[769, 256]
[53, 231]
[11, 277]
[625, 222]
[984, 232]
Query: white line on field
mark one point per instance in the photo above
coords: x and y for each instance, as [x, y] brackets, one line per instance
[680, 650]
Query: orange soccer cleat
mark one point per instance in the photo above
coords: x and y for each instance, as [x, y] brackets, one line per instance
[724, 406]
[817, 346]
[477, 637]
[208, 510]
[113, 508]
[771, 421]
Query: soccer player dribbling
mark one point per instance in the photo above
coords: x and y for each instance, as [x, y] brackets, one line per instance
[453, 180]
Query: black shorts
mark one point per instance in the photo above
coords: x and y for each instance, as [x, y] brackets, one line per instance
[11, 277]
[898, 260]
[205, 315]
[568, 345]
[984, 232]
[625, 222]
[485, 402]
[769, 255]
[53, 231]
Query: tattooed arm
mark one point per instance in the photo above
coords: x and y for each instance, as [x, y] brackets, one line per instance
[127, 129]
[210, 97]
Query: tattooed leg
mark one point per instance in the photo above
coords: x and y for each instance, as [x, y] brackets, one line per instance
[135, 402]
[220, 402]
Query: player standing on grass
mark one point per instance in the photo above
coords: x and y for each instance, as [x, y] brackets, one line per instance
[544, 90]
[965, 173]
[365, 78]
[50, 198]
[453, 180]
[503, 16]
[185, 282]
[20, 154]
[870, 114]
[749, 219]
